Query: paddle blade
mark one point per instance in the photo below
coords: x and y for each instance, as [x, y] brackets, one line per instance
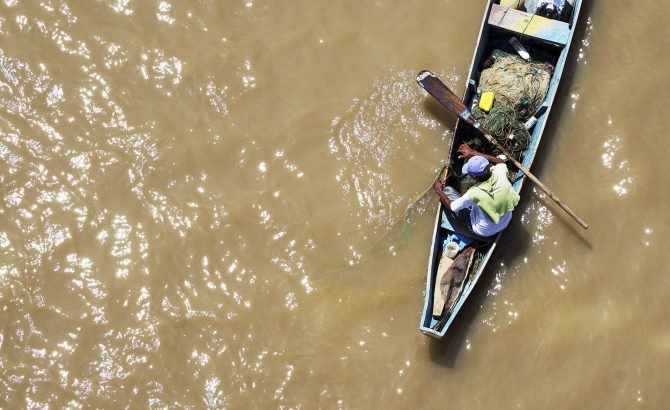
[444, 95]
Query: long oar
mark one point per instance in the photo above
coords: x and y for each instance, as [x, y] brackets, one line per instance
[443, 94]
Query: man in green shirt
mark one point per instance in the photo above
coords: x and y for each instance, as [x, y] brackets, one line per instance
[486, 208]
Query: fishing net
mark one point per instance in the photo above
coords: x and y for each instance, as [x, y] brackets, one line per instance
[519, 87]
[516, 82]
[504, 123]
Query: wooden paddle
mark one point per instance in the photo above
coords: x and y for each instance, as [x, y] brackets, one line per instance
[446, 97]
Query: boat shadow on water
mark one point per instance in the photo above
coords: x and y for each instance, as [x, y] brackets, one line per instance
[514, 244]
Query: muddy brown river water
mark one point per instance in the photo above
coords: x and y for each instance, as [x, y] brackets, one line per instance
[198, 203]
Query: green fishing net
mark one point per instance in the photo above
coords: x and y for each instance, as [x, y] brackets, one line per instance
[519, 87]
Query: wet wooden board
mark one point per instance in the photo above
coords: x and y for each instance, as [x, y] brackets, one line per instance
[526, 24]
[440, 296]
[515, 4]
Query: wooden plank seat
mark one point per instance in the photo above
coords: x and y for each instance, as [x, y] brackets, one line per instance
[529, 25]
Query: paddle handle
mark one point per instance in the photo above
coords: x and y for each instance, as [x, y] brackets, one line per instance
[537, 182]
[446, 97]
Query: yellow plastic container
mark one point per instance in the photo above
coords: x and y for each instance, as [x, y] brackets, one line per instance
[486, 102]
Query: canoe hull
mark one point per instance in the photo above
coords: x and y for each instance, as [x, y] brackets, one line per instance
[486, 33]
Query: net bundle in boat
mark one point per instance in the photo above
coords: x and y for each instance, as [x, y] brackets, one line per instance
[519, 87]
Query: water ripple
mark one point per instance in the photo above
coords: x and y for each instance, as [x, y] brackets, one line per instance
[377, 131]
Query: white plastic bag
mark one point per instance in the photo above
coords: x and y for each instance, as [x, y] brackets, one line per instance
[552, 9]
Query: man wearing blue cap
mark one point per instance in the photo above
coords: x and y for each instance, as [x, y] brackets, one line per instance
[486, 208]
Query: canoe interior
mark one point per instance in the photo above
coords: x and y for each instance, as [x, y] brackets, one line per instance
[491, 38]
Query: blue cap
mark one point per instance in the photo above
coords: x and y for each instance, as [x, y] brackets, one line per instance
[476, 166]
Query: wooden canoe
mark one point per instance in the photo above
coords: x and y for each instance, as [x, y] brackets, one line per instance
[547, 41]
